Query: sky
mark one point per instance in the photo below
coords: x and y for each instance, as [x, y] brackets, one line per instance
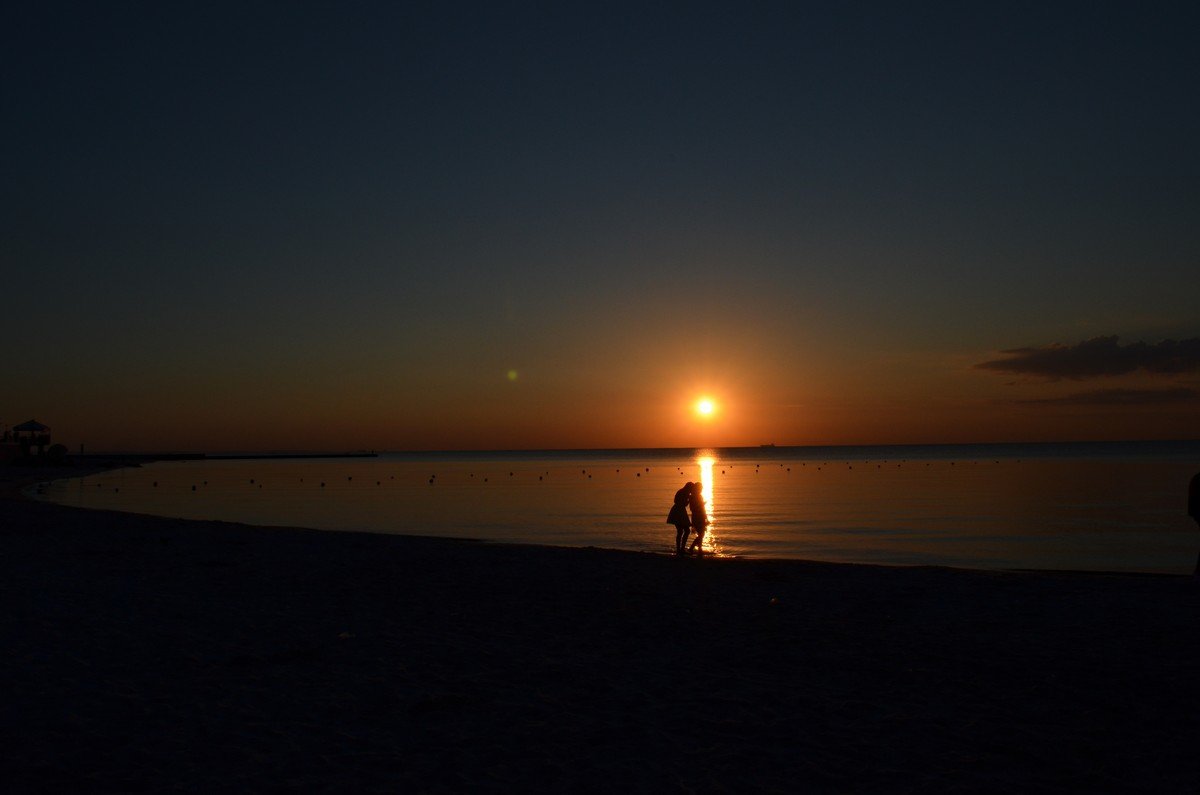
[337, 226]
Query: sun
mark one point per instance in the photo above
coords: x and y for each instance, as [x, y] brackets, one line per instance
[705, 407]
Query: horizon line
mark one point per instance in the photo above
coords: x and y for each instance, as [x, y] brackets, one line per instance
[431, 451]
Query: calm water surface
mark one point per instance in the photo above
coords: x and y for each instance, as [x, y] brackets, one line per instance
[1087, 507]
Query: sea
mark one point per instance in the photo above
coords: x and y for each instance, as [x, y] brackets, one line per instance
[1104, 506]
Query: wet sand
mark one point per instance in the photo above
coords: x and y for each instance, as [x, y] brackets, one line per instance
[144, 653]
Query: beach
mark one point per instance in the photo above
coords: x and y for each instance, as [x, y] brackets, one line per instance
[147, 653]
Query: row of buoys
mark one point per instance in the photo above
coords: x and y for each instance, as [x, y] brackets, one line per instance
[541, 477]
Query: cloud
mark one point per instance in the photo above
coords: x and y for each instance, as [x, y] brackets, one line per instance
[1119, 397]
[1098, 357]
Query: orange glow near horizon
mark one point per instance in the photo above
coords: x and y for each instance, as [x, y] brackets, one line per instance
[753, 403]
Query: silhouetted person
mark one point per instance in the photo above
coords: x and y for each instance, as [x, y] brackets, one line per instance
[699, 516]
[679, 516]
[1194, 509]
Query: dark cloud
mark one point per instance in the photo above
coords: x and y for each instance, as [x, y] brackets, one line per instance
[1120, 397]
[1100, 356]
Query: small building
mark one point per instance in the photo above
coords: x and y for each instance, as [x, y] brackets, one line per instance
[30, 435]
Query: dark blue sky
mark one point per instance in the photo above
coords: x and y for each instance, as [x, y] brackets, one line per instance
[338, 208]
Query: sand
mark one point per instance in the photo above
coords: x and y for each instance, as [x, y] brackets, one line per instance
[144, 653]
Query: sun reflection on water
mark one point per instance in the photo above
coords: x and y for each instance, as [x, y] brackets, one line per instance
[710, 545]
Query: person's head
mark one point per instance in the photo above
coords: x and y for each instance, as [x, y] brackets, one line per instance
[698, 489]
[689, 485]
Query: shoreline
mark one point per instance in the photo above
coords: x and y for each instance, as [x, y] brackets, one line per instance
[155, 653]
[49, 474]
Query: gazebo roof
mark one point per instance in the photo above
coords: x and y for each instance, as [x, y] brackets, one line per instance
[32, 426]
